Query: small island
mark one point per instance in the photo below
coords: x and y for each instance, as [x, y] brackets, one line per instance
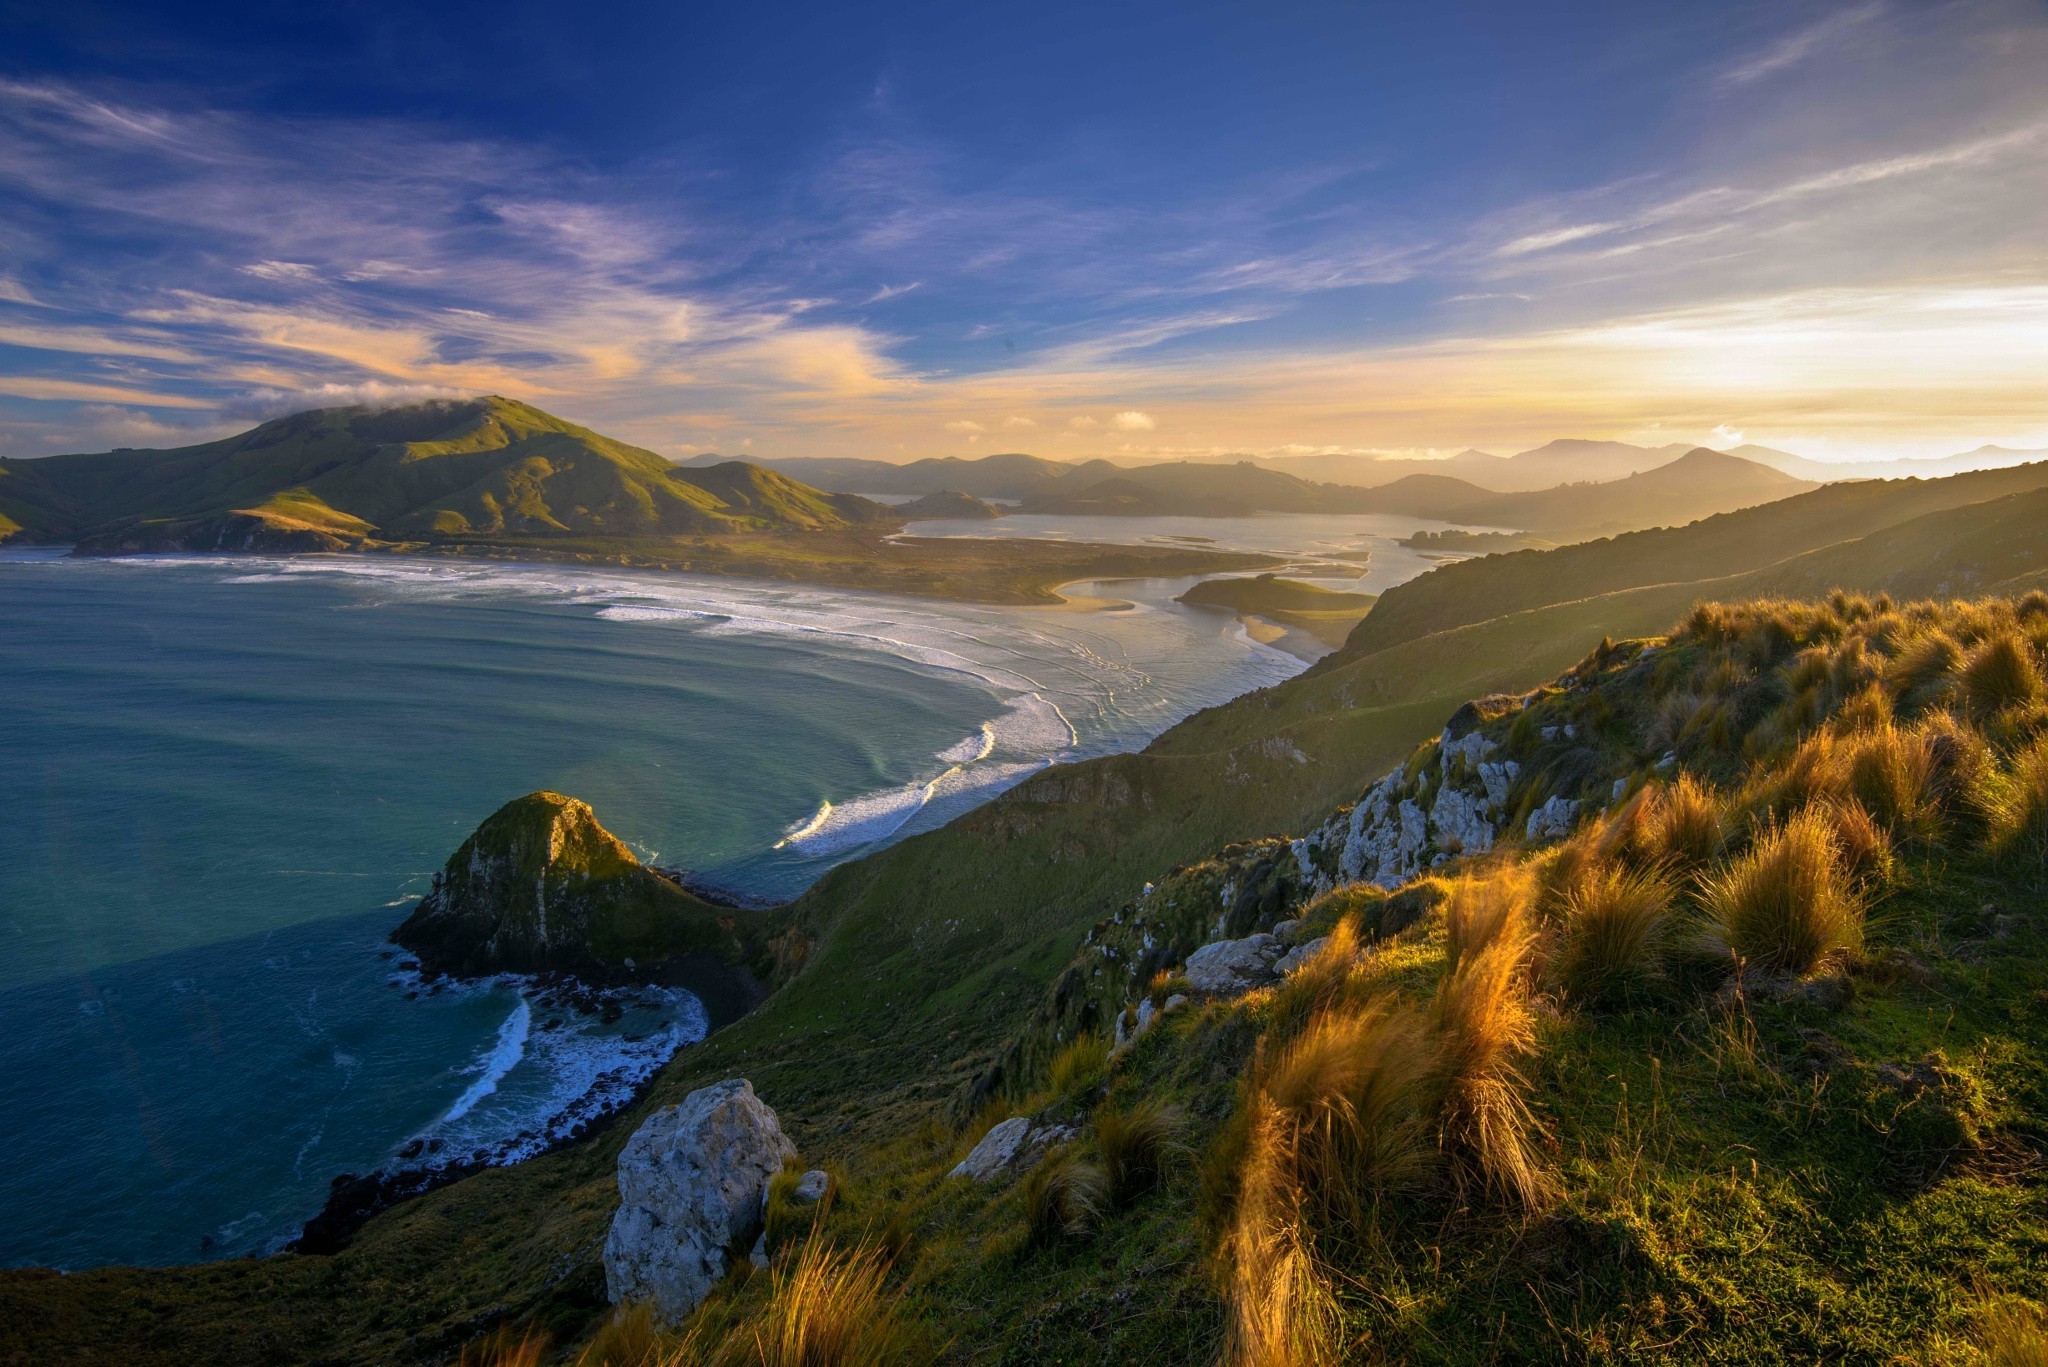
[1326, 614]
[1455, 541]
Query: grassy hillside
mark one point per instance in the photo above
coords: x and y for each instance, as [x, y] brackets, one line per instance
[443, 470]
[1732, 543]
[917, 970]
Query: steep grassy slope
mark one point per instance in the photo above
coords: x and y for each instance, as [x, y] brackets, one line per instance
[448, 470]
[916, 969]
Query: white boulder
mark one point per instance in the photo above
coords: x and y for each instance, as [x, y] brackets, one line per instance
[1228, 968]
[691, 1183]
[996, 1151]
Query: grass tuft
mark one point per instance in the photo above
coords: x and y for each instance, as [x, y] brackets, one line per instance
[2014, 1336]
[1613, 924]
[1787, 904]
[1135, 1145]
[1064, 1198]
[2000, 673]
[1485, 1027]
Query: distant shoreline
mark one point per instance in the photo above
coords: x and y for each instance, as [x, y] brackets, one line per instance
[959, 569]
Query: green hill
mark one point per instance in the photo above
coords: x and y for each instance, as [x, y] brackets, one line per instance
[439, 471]
[1731, 543]
[1706, 1194]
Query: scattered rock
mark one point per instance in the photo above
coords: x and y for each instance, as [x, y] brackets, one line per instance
[1285, 930]
[812, 1186]
[1293, 959]
[691, 1183]
[1229, 968]
[996, 1151]
[1553, 820]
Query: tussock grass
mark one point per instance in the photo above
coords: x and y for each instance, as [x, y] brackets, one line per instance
[1080, 1065]
[2025, 818]
[1135, 1144]
[1679, 827]
[1609, 945]
[1788, 903]
[507, 1348]
[2013, 1335]
[1487, 903]
[1064, 1197]
[1280, 1311]
[1999, 673]
[1485, 1027]
[1321, 982]
[1924, 669]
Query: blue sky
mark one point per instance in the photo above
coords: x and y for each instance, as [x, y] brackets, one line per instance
[1076, 229]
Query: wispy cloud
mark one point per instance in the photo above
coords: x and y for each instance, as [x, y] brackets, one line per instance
[1800, 45]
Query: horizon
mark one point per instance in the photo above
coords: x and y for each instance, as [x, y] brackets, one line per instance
[1146, 234]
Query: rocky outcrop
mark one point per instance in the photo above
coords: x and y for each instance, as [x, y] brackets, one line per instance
[692, 1181]
[542, 887]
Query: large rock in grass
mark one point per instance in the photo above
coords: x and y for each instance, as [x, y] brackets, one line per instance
[1230, 968]
[691, 1185]
[542, 887]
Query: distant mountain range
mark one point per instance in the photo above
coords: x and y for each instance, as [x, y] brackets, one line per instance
[335, 478]
[1019, 477]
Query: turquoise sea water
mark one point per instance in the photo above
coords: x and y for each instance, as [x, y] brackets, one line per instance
[226, 779]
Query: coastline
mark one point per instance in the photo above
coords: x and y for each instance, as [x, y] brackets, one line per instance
[994, 570]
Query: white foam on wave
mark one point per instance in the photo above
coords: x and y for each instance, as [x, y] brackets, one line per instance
[836, 828]
[565, 1075]
[504, 1055]
[971, 748]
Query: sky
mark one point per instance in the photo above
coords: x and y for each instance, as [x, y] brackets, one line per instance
[1131, 229]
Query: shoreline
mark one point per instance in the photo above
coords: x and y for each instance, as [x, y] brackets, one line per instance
[1015, 571]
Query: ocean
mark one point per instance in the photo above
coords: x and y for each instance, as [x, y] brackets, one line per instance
[228, 778]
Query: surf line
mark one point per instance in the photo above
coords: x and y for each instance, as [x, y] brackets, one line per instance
[505, 1054]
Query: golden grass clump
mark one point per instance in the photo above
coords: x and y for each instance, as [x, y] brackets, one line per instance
[830, 1308]
[1866, 847]
[1924, 667]
[1609, 947]
[2014, 1336]
[1788, 903]
[1064, 1197]
[2032, 606]
[1999, 673]
[1487, 903]
[1136, 1144]
[1889, 772]
[1964, 775]
[1279, 1309]
[506, 1348]
[1350, 1094]
[1321, 982]
[1079, 1064]
[1679, 827]
[2025, 818]
[1485, 1026]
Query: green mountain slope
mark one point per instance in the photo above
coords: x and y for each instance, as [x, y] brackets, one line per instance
[482, 468]
[1731, 543]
